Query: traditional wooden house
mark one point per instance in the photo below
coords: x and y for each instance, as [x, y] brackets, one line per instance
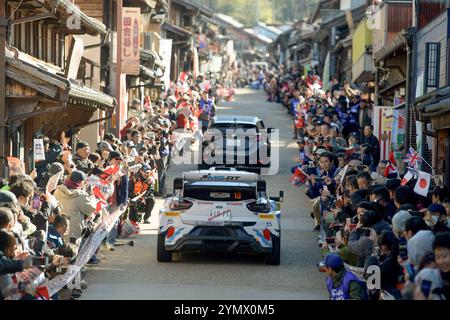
[432, 87]
[46, 90]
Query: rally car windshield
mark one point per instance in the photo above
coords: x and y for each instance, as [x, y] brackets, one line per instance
[221, 193]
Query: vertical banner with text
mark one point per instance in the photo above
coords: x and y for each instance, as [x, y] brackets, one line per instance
[165, 51]
[131, 24]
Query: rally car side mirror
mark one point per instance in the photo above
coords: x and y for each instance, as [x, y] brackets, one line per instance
[177, 184]
[261, 186]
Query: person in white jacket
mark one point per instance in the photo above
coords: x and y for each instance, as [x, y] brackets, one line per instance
[76, 203]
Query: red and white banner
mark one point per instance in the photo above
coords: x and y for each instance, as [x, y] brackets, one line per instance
[382, 128]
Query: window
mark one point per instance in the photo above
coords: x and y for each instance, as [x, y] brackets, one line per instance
[432, 57]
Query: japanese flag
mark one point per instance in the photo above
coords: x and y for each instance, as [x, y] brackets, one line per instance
[408, 176]
[422, 184]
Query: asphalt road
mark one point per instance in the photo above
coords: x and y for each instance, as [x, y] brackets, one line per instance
[134, 273]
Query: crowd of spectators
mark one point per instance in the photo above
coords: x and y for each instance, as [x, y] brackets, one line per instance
[366, 217]
[42, 230]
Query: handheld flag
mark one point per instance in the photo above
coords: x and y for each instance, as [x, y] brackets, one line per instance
[412, 158]
[299, 177]
[423, 183]
[407, 177]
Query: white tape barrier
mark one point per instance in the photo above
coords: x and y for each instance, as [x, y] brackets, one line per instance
[86, 251]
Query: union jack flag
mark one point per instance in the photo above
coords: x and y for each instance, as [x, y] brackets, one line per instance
[412, 158]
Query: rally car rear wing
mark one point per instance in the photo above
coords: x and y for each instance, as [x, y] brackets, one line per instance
[221, 175]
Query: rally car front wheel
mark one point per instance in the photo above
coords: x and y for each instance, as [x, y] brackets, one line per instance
[163, 255]
[273, 258]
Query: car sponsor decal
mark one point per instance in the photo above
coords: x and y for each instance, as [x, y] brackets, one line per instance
[172, 213]
[175, 234]
[266, 216]
[205, 202]
[220, 195]
[234, 203]
[212, 177]
[261, 237]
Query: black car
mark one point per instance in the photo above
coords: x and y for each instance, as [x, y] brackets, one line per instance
[236, 141]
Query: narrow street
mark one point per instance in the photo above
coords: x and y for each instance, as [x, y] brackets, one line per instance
[134, 273]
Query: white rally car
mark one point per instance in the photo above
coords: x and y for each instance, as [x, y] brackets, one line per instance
[220, 210]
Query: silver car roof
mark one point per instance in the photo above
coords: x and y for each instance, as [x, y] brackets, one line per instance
[236, 119]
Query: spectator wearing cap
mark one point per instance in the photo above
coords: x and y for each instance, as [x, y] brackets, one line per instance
[55, 168]
[81, 157]
[342, 284]
[76, 203]
[398, 222]
[436, 217]
[142, 183]
[104, 148]
[111, 139]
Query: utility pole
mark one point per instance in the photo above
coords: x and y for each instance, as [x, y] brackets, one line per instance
[119, 106]
[4, 141]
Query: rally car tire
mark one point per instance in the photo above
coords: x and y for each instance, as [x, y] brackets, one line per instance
[163, 255]
[273, 258]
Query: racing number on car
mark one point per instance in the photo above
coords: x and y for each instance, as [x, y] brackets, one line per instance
[237, 196]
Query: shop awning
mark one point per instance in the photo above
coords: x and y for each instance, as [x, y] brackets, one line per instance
[181, 32]
[437, 104]
[389, 48]
[64, 11]
[47, 81]
[67, 9]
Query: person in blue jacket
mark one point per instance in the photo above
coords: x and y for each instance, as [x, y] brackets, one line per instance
[342, 284]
